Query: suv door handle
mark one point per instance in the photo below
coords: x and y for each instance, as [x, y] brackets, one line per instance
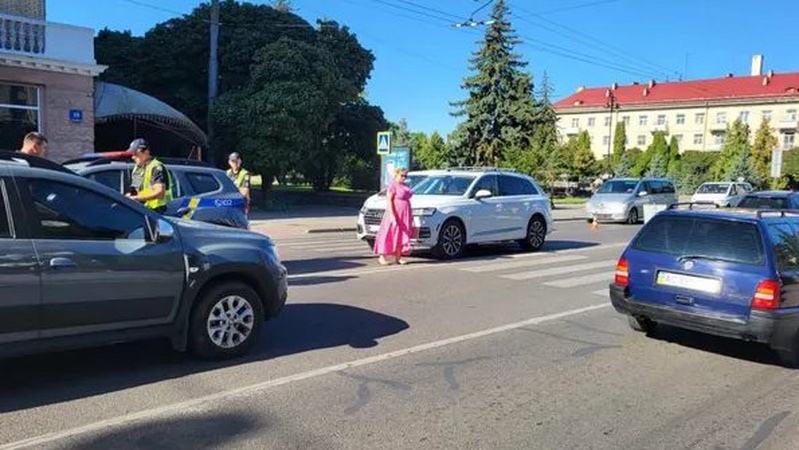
[62, 263]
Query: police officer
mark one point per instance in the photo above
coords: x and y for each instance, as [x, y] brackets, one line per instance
[150, 179]
[240, 176]
[35, 144]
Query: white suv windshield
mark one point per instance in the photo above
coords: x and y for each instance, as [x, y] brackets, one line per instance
[455, 185]
[713, 189]
[618, 187]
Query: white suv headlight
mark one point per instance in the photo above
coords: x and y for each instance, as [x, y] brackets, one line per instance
[424, 211]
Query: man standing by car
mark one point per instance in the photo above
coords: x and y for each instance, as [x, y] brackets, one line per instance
[150, 179]
[240, 177]
[34, 144]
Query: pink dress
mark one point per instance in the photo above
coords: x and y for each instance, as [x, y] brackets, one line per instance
[394, 235]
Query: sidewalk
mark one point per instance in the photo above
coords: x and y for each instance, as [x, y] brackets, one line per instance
[328, 219]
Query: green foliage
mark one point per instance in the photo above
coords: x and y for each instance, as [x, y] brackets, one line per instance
[736, 148]
[765, 143]
[500, 112]
[584, 162]
[433, 153]
[625, 165]
[673, 171]
[121, 52]
[619, 143]
[695, 169]
[656, 156]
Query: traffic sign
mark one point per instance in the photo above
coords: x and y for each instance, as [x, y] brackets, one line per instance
[776, 163]
[383, 142]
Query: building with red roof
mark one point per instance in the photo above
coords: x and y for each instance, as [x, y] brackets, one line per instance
[696, 112]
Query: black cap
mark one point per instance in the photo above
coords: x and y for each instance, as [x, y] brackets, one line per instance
[138, 144]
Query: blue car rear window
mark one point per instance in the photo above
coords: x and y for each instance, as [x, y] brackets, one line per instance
[725, 240]
[757, 202]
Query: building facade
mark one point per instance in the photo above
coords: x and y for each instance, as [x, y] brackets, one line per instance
[696, 113]
[47, 75]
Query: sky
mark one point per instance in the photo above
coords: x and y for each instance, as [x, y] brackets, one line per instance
[421, 58]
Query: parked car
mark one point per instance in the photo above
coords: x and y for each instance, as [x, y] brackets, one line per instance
[730, 273]
[623, 199]
[453, 208]
[217, 199]
[770, 200]
[722, 194]
[81, 265]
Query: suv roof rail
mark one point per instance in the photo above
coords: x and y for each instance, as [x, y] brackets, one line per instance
[781, 212]
[480, 169]
[33, 161]
[690, 205]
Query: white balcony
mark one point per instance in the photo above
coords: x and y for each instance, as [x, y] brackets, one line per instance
[714, 146]
[51, 41]
[788, 123]
[716, 126]
[660, 127]
[571, 131]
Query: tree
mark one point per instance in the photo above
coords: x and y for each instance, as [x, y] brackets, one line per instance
[433, 153]
[584, 160]
[695, 168]
[736, 138]
[400, 134]
[655, 161]
[619, 143]
[673, 171]
[740, 168]
[625, 165]
[500, 111]
[545, 135]
[121, 52]
[765, 143]
[282, 5]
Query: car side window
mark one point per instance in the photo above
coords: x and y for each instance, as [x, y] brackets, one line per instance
[509, 185]
[644, 187]
[668, 188]
[67, 212]
[489, 183]
[785, 244]
[174, 184]
[655, 187]
[202, 183]
[5, 223]
[110, 178]
[733, 190]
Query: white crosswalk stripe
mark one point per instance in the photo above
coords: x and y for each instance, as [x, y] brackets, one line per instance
[607, 264]
[581, 281]
[601, 293]
[541, 260]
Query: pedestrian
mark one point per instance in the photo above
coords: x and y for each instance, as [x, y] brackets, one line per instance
[35, 144]
[150, 179]
[240, 177]
[396, 229]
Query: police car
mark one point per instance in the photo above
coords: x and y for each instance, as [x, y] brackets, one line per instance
[199, 191]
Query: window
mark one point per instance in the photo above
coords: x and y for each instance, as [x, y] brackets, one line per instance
[767, 115]
[678, 138]
[788, 140]
[764, 202]
[618, 187]
[62, 211]
[202, 183]
[641, 140]
[699, 139]
[576, 123]
[643, 120]
[445, 185]
[785, 243]
[725, 240]
[680, 119]
[607, 121]
[721, 117]
[605, 140]
[668, 188]
[655, 187]
[626, 120]
[110, 178]
[719, 139]
[790, 115]
[661, 119]
[19, 114]
[699, 119]
[744, 116]
[488, 183]
[509, 185]
[5, 228]
[591, 121]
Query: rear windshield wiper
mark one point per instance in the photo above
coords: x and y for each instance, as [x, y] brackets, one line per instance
[705, 257]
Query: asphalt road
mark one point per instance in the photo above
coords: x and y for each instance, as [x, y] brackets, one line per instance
[499, 350]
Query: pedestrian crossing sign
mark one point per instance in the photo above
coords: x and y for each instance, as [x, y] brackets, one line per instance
[383, 142]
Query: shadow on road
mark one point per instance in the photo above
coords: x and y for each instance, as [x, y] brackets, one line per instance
[733, 348]
[310, 266]
[39, 380]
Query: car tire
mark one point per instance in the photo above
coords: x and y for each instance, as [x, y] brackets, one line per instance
[370, 242]
[451, 240]
[536, 235]
[789, 357]
[226, 322]
[632, 216]
[642, 325]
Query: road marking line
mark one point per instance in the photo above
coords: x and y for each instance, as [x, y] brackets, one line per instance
[314, 243]
[602, 293]
[581, 281]
[559, 270]
[545, 258]
[476, 262]
[266, 385]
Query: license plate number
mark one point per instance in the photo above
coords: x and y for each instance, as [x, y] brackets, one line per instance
[374, 229]
[701, 284]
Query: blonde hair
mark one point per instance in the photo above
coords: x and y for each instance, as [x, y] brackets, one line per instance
[400, 171]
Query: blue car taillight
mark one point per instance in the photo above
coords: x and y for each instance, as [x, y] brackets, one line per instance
[622, 277]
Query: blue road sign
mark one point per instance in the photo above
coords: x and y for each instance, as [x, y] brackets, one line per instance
[383, 142]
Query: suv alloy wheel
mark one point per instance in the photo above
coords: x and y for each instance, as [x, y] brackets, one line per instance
[536, 234]
[451, 240]
[227, 321]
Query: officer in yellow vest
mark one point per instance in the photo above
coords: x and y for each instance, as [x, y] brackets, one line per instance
[240, 176]
[149, 179]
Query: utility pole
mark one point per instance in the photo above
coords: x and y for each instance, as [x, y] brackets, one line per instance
[213, 75]
[612, 104]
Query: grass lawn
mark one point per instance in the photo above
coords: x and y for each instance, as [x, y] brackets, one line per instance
[571, 200]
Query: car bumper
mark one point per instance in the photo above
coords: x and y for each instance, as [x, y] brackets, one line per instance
[777, 328]
[425, 231]
[605, 216]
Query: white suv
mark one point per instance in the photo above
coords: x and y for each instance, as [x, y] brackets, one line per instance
[453, 208]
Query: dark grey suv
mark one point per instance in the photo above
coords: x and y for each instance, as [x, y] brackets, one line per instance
[81, 265]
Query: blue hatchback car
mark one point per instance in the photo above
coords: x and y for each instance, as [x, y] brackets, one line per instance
[732, 273]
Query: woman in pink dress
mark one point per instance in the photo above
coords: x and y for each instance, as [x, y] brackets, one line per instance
[394, 237]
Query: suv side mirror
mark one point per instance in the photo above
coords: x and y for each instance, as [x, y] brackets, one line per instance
[482, 194]
[164, 232]
[643, 194]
